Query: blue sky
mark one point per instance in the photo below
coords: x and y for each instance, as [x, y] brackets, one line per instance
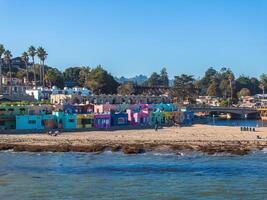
[130, 37]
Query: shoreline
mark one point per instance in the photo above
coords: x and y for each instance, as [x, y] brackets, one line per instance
[203, 138]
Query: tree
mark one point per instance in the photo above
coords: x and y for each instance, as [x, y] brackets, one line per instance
[7, 58]
[2, 50]
[164, 79]
[224, 87]
[32, 53]
[212, 89]
[263, 83]
[244, 92]
[254, 85]
[153, 80]
[84, 75]
[25, 59]
[54, 77]
[183, 87]
[42, 54]
[242, 82]
[72, 74]
[126, 88]
[210, 75]
[100, 82]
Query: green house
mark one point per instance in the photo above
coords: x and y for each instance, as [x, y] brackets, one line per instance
[8, 116]
[156, 116]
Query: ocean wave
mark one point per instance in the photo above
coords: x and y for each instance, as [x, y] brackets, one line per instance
[264, 150]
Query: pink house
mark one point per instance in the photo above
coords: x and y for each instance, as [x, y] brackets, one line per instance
[138, 118]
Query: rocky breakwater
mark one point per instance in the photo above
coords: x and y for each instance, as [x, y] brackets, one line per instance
[226, 147]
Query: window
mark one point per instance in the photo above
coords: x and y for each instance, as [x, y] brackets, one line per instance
[121, 120]
[32, 121]
[71, 120]
[86, 121]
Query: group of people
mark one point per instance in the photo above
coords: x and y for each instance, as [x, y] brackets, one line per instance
[247, 129]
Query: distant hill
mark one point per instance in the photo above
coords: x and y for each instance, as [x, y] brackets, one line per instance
[139, 79]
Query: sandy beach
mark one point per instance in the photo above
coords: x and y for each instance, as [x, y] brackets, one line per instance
[209, 139]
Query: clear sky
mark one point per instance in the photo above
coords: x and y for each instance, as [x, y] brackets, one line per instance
[130, 37]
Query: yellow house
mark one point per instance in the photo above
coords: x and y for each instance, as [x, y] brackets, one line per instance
[168, 117]
[84, 120]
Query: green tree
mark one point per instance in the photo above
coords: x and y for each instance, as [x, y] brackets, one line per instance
[72, 74]
[101, 82]
[54, 77]
[32, 53]
[183, 87]
[42, 54]
[7, 58]
[25, 59]
[212, 89]
[224, 87]
[209, 76]
[164, 79]
[2, 50]
[263, 83]
[254, 85]
[84, 75]
[153, 80]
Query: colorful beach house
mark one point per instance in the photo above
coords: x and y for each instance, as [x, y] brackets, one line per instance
[84, 120]
[156, 117]
[168, 118]
[102, 120]
[188, 118]
[35, 122]
[65, 120]
[119, 119]
[8, 115]
[29, 122]
[165, 107]
[138, 118]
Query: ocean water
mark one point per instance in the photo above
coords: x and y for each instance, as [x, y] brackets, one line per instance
[144, 176]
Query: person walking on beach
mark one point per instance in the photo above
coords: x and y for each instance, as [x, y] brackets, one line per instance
[156, 125]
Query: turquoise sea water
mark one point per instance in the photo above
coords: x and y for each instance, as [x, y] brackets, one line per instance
[144, 176]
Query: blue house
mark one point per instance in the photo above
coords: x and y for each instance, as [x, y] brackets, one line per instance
[119, 119]
[29, 122]
[65, 120]
[188, 118]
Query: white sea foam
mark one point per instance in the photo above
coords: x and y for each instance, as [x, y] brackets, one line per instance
[264, 150]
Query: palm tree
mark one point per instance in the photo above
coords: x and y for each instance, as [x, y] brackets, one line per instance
[263, 83]
[25, 58]
[42, 54]
[262, 87]
[7, 58]
[32, 53]
[2, 50]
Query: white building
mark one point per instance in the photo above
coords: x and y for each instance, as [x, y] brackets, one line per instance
[45, 93]
[84, 92]
[40, 93]
[208, 100]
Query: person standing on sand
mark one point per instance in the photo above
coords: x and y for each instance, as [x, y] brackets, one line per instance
[156, 125]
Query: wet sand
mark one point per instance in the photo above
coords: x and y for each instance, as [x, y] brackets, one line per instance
[205, 138]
